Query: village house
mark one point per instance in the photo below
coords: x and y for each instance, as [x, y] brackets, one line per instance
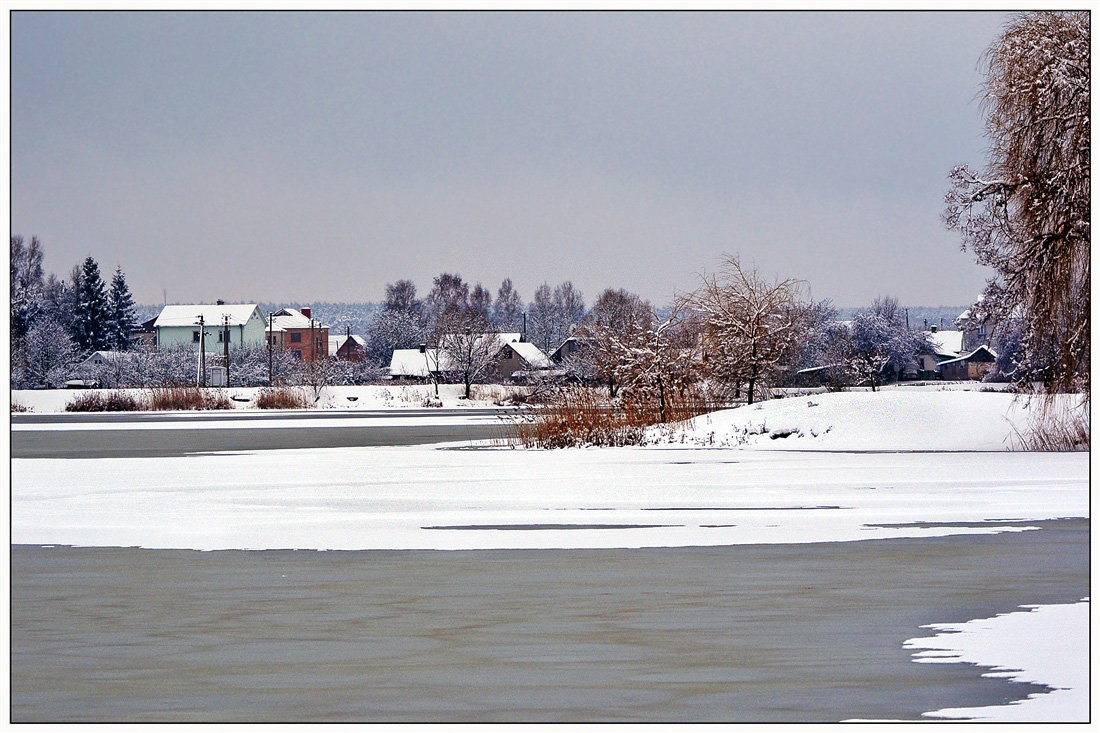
[298, 332]
[570, 348]
[144, 334]
[514, 355]
[241, 324]
[347, 346]
[973, 366]
[946, 345]
[95, 367]
[976, 327]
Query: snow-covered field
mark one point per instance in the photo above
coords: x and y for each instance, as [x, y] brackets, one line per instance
[1044, 645]
[893, 420]
[367, 397]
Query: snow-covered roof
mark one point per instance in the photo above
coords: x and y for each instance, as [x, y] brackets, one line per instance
[335, 343]
[967, 356]
[531, 354]
[292, 318]
[946, 343]
[413, 363]
[101, 356]
[188, 315]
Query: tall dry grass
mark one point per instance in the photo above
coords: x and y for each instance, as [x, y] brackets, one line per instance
[1056, 427]
[583, 416]
[102, 401]
[188, 398]
[281, 398]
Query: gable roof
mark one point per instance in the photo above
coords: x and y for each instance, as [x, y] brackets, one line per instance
[174, 316]
[287, 318]
[97, 357]
[531, 354]
[339, 341]
[946, 343]
[988, 350]
[413, 363]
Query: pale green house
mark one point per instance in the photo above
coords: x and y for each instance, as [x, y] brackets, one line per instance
[178, 325]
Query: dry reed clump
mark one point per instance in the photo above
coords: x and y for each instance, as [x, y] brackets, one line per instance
[1057, 430]
[281, 398]
[188, 398]
[104, 402]
[497, 393]
[581, 416]
[16, 407]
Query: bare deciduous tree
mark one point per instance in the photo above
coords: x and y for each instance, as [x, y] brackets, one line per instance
[468, 343]
[508, 308]
[750, 323]
[615, 315]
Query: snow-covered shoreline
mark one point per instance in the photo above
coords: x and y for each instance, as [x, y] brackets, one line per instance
[894, 420]
[366, 397]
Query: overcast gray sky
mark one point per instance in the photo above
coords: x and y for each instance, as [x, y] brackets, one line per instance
[315, 157]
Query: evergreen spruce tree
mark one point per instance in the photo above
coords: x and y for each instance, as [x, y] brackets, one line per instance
[121, 308]
[91, 316]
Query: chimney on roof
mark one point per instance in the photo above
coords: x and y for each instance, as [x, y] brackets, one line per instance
[307, 312]
[523, 336]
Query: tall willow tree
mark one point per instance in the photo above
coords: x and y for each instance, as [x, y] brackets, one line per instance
[1026, 214]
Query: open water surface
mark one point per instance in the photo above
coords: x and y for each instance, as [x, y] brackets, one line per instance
[809, 632]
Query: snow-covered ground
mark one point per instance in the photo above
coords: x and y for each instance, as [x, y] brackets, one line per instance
[1047, 645]
[367, 397]
[894, 420]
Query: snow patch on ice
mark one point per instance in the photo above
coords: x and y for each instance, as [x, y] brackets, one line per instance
[1045, 645]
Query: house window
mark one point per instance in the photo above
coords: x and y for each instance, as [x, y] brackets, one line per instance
[195, 337]
[295, 338]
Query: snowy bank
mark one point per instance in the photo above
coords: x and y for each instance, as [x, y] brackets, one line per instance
[891, 420]
[366, 397]
[1045, 645]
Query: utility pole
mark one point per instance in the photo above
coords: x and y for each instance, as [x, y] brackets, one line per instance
[270, 346]
[202, 352]
[225, 337]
